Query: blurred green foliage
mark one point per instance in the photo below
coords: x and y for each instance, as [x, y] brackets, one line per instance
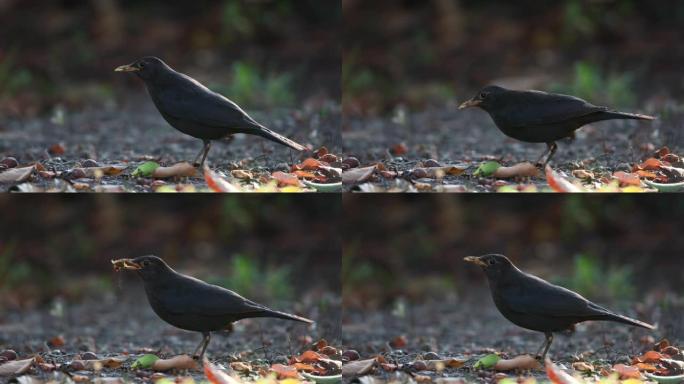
[592, 278]
[589, 83]
[254, 279]
[249, 86]
[12, 78]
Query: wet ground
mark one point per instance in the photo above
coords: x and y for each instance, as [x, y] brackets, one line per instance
[472, 327]
[115, 325]
[135, 132]
[467, 137]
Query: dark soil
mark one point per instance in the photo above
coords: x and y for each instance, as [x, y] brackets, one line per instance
[472, 327]
[135, 132]
[453, 136]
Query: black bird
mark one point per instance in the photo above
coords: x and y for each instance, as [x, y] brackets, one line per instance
[191, 304]
[194, 109]
[540, 117]
[533, 303]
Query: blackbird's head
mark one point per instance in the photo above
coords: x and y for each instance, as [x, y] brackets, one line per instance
[147, 68]
[493, 265]
[148, 267]
[485, 99]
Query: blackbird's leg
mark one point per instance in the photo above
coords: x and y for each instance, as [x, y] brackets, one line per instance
[549, 340]
[204, 344]
[194, 354]
[552, 150]
[539, 161]
[204, 146]
[207, 147]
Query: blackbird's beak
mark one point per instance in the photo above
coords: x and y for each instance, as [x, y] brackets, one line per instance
[475, 260]
[127, 68]
[470, 103]
[125, 264]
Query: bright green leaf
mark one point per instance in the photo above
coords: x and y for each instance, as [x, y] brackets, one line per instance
[145, 169]
[487, 361]
[487, 168]
[144, 361]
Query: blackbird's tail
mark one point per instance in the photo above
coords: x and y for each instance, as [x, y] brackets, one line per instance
[627, 320]
[624, 115]
[278, 138]
[282, 315]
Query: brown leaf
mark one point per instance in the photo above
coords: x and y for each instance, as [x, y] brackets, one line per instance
[241, 174]
[57, 341]
[399, 149]
[357, 175]
[285, 179]
[627, 372]
[583, 174]
[217, 183]
[176, 362]
[217, 376]
[284, 371]
[16, 367]
[16, 175]
[398, 342]
[582, 366]
[558, 183]
[183, 169]
[240, 366]
[648, 357]
[308, 357]
[440, 365]
[518, 362]
[358, 367]
[56, 149]
[525, 169]
[645, 367]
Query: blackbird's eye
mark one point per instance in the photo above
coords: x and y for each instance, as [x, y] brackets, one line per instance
[145, 263]
[483, 95]
[491, 262]
[142, 64]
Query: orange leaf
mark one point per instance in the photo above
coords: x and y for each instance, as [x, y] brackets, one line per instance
[649, 357]
[646, 174]
[645, 367]
[399, 149]
[627, 178]
[284, 371]
[651, 164]
[303, 367]
[309, 357]
[398, 342]
[322, 342]
[557, 375]
[558, 183]
[285, 179]
[310, 164]
[627, 372]
[304, 174]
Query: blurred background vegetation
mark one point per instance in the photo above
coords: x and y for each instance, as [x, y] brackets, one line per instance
[268, 248]
[609, 248]
[617, 52]
[260, 53]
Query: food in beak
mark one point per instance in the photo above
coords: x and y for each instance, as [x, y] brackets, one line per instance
[125, 264]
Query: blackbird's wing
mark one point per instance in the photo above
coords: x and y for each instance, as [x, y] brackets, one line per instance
[539, 108]
[539, 297]
[192, 101]
[193, 296]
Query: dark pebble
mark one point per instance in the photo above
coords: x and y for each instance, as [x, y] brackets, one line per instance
[419, 173]
[89, 356]
[75, 173]
[351, 355]
[432, 163]
[90, 163]
[329, 158]
[9, 162]
[9, 354]
[431, 356]
[351, 162]
[77, 365]
[419, 365]
[281, 360]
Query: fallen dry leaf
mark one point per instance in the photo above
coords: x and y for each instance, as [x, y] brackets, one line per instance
[648, 357]
[16, 367]
[285, 179]
[358, 367]
[583, 174]
[240, 367]
[645, 367]
[241, 174]
[525, 169]
[56, 149]
[558, 183]
[176, 362]
[627, 179]
[357, 175]
[284, 371]
[627, 372]
[582, 366]
[217, 376]
[399, 149]
[557, 375]
[183, 169]
[16, 175]
[97, 365]
[518, 362]
[440, 365]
